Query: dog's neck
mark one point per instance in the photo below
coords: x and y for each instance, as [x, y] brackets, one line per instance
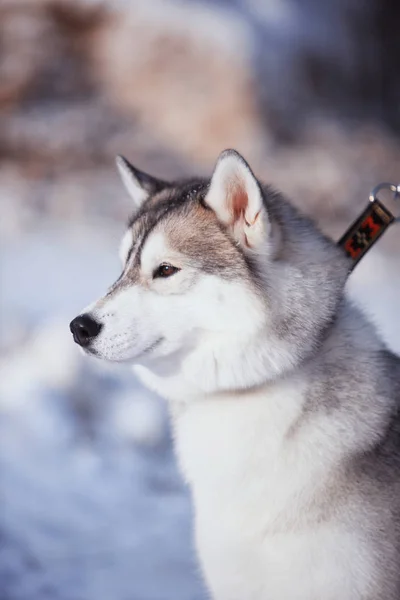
[230, 366]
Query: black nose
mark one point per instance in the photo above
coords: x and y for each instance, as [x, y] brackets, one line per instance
[84, 329]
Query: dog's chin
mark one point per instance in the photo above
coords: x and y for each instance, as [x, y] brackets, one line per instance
[108, 357]
[133, 356]
[90, 352]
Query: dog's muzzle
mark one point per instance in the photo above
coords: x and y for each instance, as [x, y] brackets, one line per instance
[84, 329]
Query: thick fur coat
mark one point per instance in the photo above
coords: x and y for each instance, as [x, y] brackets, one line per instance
[285, 403]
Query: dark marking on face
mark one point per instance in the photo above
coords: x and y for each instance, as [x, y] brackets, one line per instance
[191, 228]
[152, 346]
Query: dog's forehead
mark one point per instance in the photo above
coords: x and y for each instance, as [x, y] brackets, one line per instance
[175, 222]
[194, 234]
[154, 209]
[185, 231]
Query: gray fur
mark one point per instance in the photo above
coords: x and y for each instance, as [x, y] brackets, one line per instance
[351, 375]
[306, 260]
[353, 382]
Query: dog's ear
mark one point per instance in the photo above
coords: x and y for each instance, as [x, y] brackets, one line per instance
[236, 198]
[138, 184]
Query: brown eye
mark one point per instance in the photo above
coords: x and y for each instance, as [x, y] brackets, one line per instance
[165, 270]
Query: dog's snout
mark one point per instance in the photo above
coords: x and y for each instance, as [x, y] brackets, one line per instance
[84, 328]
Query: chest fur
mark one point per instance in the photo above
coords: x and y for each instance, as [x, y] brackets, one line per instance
[236, 452]
[254, 485]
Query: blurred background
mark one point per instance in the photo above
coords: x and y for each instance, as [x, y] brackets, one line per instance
[91, 504]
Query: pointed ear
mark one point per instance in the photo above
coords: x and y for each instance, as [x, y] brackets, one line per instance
[139, 185]
[236, 197]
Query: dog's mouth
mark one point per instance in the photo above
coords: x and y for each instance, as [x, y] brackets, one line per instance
[115, 356]
[86, 329]
[91, 351]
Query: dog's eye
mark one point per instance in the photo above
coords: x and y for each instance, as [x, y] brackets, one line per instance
[165, 270]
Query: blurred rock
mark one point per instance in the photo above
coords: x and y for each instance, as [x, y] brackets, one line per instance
[81, 76]
[43, 44]
[184, 70]
[170, 84]
[181, 71]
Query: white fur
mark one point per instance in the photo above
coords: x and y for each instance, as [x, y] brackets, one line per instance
[207, 345]
[221, 318]
[249, 483]
[132, 185]
[125, 246]
[250, 480]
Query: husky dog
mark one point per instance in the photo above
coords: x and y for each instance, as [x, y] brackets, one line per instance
[284, 402]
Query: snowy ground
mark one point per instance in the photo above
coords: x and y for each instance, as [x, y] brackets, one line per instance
[92, 506]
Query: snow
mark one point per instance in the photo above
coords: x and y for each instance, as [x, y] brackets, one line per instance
[375, 286]
[92, 505]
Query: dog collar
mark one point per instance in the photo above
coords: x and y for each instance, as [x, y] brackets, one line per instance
[370, 225]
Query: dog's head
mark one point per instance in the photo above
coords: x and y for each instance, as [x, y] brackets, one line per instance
[215, 276]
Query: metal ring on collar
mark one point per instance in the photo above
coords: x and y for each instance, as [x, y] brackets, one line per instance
[386, 186]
